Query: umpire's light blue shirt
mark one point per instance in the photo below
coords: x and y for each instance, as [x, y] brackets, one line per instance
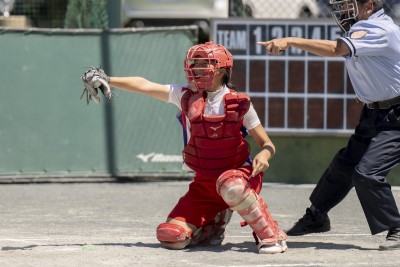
[374, 60]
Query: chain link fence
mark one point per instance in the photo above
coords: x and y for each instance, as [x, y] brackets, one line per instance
[93, 13]
[293, 9]
[57, 13]
[38, 13]
[86, 14]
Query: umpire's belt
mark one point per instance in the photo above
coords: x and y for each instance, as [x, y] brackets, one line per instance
[385, 104]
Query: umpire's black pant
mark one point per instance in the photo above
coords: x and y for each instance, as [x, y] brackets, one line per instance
[372, 151]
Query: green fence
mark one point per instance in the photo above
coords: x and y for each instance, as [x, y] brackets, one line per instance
[46, 131]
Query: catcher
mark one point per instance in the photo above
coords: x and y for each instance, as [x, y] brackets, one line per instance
[213, 115]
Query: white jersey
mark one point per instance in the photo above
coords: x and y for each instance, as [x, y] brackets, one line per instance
[214, 105]
[373, 64]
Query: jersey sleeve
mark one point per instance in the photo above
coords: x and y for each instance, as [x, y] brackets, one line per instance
[367, 40]
[175, 94]
[251, 120]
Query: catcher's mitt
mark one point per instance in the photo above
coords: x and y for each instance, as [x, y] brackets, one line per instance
[94, 79]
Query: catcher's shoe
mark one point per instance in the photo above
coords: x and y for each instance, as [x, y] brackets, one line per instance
[213, 233]
[279, 247]
[221, 221]
[392, 240]
[310, 223]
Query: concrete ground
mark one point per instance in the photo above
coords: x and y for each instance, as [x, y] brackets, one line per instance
[113, 224]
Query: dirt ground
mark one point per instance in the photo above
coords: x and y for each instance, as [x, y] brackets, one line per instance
[113, 224]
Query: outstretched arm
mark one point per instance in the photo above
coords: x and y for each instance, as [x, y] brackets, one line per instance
[140, 85]
[326, 48]
[260, 161]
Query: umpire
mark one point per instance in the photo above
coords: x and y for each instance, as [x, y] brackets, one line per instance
[371, 47]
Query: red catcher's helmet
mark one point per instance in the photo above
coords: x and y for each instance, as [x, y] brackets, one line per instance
[201, 63]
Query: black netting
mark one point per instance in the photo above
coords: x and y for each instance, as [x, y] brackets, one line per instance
[86, 14]
[93, 13]
[58, 13]
[40, 13]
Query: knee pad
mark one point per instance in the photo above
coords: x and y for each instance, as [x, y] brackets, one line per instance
[235, 190]
[173, 236]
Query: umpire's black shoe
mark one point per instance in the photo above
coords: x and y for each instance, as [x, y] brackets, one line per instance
[392, 240]
[311, 223]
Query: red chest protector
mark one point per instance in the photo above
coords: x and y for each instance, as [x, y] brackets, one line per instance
[216, 143]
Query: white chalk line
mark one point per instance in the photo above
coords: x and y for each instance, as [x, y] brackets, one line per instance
[37, 241]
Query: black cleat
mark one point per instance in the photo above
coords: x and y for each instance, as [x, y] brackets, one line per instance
[310, 223]
[392, 240]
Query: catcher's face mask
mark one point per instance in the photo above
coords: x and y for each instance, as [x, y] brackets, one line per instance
[201, 64]
[345, 13]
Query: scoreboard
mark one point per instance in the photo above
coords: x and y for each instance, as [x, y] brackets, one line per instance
[295, 92]
[241, 37]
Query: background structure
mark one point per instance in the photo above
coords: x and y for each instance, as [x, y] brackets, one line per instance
[46, 45]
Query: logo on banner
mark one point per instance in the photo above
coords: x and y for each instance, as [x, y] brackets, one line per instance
[159, 158]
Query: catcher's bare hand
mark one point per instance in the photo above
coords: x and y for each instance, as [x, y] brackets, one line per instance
[260, 163]
[95, 79]
[275, 46]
